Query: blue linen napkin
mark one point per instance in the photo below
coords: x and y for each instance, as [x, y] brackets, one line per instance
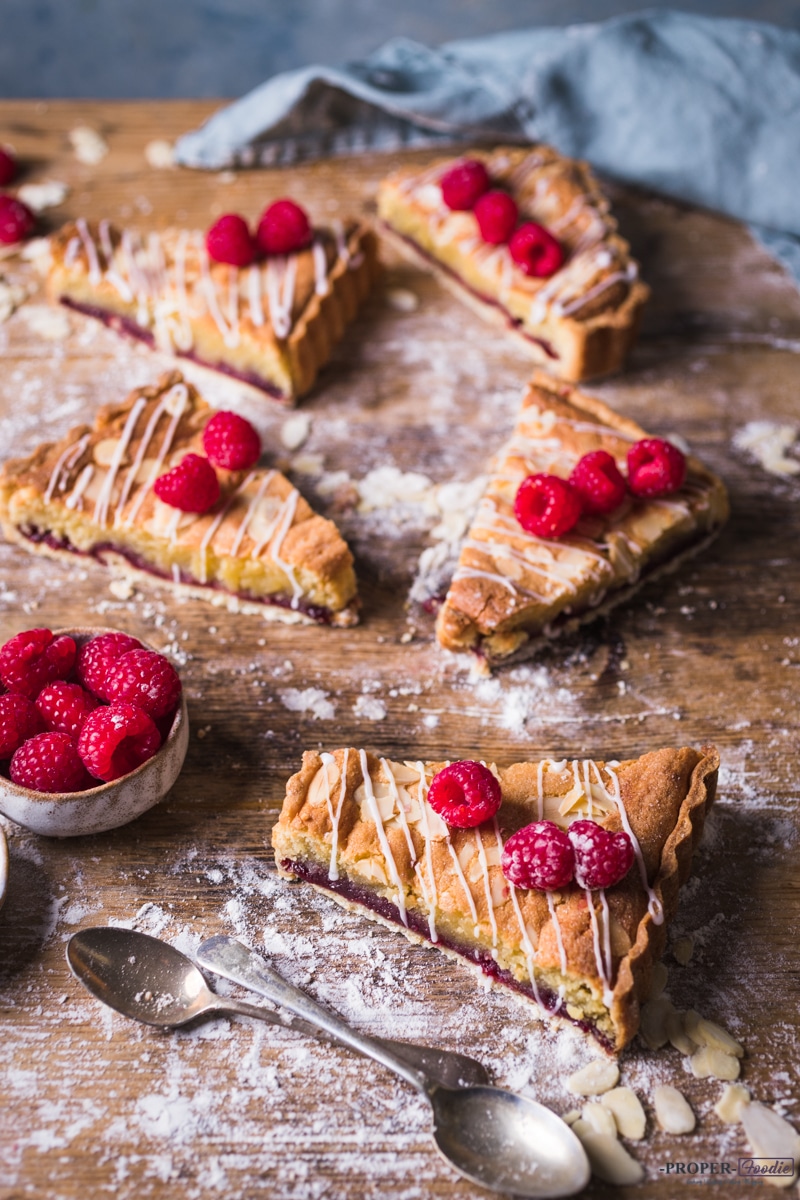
[703, 109]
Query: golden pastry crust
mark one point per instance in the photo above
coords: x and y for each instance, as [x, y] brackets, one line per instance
[260, 548]
[272, 325]
[579, 323]
[453, 889]
[511, 590]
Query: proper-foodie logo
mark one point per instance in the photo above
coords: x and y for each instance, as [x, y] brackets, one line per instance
[716, 1172]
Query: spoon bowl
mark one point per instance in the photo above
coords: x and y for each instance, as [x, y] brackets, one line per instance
[508, 1143]
[150, 981]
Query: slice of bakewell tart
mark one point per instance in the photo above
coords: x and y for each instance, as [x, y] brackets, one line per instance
[514, 588]
[259, 548]
[544, 262]
[271, 325]
[366, 831]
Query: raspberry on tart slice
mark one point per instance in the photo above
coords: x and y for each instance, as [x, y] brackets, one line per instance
[562, 282]
[16, 220]
[270, 322]
[529, 570]
[372, 834]
[465, 794]
[231, 442]
[107, 493]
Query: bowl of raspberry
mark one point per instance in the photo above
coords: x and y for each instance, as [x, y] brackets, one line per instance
[93, 729]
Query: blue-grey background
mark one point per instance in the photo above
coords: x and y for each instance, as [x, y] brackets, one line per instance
[171, 48]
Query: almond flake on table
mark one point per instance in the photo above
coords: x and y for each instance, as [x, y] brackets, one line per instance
[731, 1103]
[47, 194]
[770, 1136]
[673, 1110]
[89, 147]
[627, 1111]
[596, 1077]
[608, 1158]
[295, 430]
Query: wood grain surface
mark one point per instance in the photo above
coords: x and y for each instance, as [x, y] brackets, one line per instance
[93, 1105]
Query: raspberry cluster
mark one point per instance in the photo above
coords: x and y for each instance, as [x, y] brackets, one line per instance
[467, 187]
[545, 857]
[549, 506]
[283, 228]
[231, 443]
[71, 717]
[16, 219]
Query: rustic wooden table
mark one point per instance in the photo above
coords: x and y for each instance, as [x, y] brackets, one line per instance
[93, 1105]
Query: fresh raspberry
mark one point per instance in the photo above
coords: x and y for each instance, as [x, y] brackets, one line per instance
[597, 479]
[97, 656]
[49, 762]
[16, 220]
[601, 858]
[231, 442]
[283, 228]
[20, 719]
[496, 214]
[655, 467]
[464, 184]
[230, 241]
[146, 679]
[465, 794]
[547, 506]
[8, 167]
[31, 659]
[116, 740]
[539, 856]
[535, 251]
[65, 707]
[192, 486]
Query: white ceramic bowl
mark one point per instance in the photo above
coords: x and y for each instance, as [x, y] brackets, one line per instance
[109, 805]
[3, 865]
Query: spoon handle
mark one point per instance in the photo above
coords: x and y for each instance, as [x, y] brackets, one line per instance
[446, 1067]
[229, 958]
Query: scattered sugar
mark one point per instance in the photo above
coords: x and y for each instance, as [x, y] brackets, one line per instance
[47, 194]
[309, 700]
[50, 324]
[370, 708]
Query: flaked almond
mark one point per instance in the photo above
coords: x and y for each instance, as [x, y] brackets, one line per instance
[683, 948]
[676, 1033]
[403, 772]
[598, 1076]
[569, 1118]
[673, 1110]
[105, 450]
[771, 1136]
[658, 980]
[608, 1158]
[707, 1062]
[713, 1035]
[627, 1110]
[320, 791]
[653, 1022]
[731, 1103]
[691, 1020]
[600, 1118]
[620, 942]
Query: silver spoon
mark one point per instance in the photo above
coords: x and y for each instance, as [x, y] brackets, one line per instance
[150, 981]
[494, 1138]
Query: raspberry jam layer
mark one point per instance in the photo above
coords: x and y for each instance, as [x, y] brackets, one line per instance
[513, 322]
[129, 328]
[317, 874]
[315, 612]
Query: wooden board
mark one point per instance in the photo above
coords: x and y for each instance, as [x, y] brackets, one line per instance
[91, 1104]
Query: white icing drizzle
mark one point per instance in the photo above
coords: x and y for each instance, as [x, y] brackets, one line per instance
[75, 498]
[289, 508]
[487, 884]
[104, 498]
[180, 391]
[139, 457]
[250, 510]
[95, 270]
[400, 810]
[280, 293]
[432, 899]
[527, 944]
[465, 886]
[609, 961]
[72, 251]
[562, 954]
[254, 295]
[587, 787]
[228, 330]
[465, 572]
[327, 760]
[210, 533]
[321, 286]
[333, 867]
[176, 573]
[386, 850]
[64, 463]
[172, 526]
[540, 788]
[654, 905]
[608, 995]
[112, 274]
